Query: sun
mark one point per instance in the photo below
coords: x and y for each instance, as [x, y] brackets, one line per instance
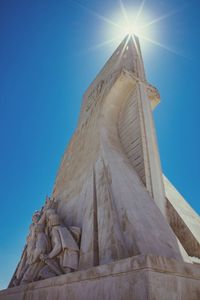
[132, 22]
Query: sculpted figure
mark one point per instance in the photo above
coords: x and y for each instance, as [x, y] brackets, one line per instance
[34, 262]
[31, 238]
[64, 255]
[49, 204]
[51, 249]
[28, 251]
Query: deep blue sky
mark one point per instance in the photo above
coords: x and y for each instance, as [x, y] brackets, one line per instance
[46, 64]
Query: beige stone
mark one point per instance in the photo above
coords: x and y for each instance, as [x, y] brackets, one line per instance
[183, 219]
[133, 232]
[138, 278]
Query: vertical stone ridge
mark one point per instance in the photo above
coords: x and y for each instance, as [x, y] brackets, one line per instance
[95, 223]
[145, 153]
[152, 153]
[111, 243]
[130, 133]
[87, 251]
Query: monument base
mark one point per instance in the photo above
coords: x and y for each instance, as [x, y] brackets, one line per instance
[139, 278]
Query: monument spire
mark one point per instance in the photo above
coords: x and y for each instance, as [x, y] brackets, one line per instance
[114, 149]
[110, 210]
[127, 60]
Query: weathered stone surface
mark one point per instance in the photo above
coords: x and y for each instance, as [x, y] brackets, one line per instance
[51, 249]
[124, 221]
[125, 233]
[183, 219]
[138, 278]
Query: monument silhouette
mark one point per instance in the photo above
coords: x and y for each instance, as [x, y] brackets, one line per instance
[114, 226]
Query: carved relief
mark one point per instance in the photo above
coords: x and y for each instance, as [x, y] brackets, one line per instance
[153, 95]
[100, 90]
[27, 256]
[63, 257]
[96, 93]
[52, 249]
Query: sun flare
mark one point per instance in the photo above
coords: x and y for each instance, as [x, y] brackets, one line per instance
[131, 22]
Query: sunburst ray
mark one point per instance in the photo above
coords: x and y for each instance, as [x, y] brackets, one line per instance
[165, 47]
[130, 26]
[124, 13]
[139, 11]
[161, 18]
[103, 18]
[103, 44]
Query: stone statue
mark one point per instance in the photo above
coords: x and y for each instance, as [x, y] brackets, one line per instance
[28, 250]
[64, 255]
[51, 248]
[35, 264]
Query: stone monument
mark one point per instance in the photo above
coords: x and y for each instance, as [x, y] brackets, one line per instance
[114, 227]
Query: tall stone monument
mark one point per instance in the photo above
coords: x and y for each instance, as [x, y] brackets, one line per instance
[114, 227]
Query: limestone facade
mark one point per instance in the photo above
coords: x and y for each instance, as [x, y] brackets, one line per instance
[112, 213]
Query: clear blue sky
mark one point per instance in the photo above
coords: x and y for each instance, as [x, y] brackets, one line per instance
[47, 60]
